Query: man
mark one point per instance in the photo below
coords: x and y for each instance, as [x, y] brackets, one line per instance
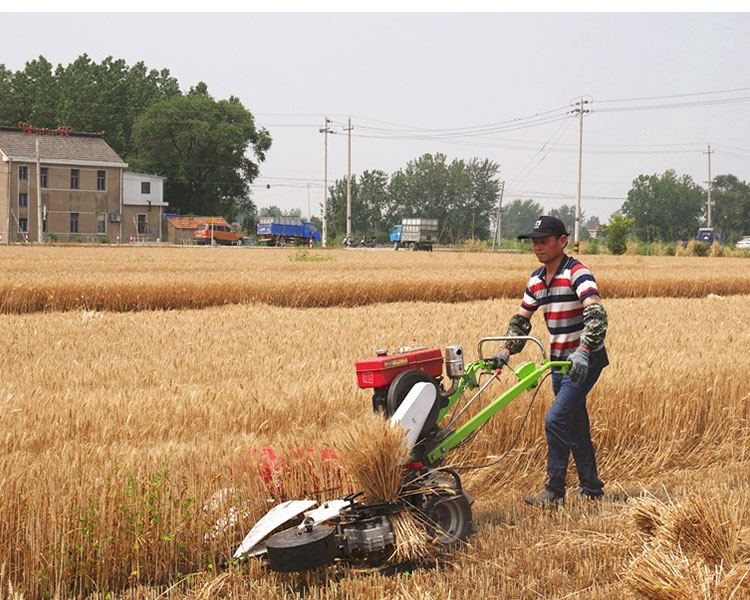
[566, 291]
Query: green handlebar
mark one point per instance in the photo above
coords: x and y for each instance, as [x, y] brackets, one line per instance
[528, 376]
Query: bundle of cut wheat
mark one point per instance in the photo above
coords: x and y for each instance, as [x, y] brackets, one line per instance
[374, 454]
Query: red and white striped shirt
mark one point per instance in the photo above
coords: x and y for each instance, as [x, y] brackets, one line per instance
[561, 303]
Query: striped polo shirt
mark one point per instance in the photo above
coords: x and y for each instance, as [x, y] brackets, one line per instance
[561, 303]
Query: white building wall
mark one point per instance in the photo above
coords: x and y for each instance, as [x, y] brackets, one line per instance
[132, 189]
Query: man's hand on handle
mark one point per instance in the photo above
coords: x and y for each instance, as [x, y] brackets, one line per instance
[579, 367]
[499, 360]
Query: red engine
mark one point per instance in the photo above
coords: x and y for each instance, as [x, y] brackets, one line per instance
[379, 372]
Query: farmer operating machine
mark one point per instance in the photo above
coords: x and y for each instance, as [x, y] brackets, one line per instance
[407, 389]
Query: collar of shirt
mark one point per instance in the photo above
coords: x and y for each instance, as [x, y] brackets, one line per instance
[560, 268]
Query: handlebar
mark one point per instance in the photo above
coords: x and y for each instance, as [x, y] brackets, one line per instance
[502, 338]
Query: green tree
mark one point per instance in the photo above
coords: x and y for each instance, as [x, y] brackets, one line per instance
[199, 145]
[370, 198]
[275, 211]
[519, 217]
[731, 207]
[460, 195]
[617, 233]
[567, 214]
[664, 207]
[84, 95]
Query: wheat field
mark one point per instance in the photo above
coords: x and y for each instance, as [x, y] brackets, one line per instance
[118, 429]
[126, 278]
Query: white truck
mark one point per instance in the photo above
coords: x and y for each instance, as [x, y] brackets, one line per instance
[415, 234]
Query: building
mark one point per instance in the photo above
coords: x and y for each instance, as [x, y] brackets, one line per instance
[78, 193]
[180, 228]
[143, 206]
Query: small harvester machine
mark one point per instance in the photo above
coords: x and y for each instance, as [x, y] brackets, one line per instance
[407, 389]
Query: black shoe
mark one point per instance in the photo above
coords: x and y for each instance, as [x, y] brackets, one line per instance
[545, 499]
[581, 493]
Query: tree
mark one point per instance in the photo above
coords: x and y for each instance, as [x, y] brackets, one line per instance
[461, 195]
[617, 232]
[84, 95]
[567, 214]
[731, 207]
[664, 207]
[519, 217]
[275, 211]
[199, 145]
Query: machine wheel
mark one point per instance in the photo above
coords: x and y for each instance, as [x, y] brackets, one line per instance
[449, 514]
[451, 519]
[282, 242]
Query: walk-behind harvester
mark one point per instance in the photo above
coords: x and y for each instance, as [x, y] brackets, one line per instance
[407, 389]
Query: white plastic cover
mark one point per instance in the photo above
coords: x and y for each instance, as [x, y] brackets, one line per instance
[275, 517]
[328, 510]
[414, 410]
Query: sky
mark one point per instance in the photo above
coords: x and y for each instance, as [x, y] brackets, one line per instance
[496, 85]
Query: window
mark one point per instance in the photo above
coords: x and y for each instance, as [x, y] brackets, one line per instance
[23, 200]
[43, 176]
[101, 180]
[74, 176]
[73, 222]
[142, 224]
[101, 223]
[23, 172]
[23, 225]
[145, 187]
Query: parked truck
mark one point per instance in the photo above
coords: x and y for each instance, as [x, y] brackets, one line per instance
[706, 234]
[280, 231]
[415, 234]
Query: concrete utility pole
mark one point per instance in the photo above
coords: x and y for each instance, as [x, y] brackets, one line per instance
[497, 220]
[40, 233]
[309, 214]
[710, 181]
[325, 130]
[349, 183]
[580, 111]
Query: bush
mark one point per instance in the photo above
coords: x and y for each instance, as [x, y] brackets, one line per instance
[700, 249]
[617, 231]
[78, 240]
[716, 249]
[646, 249]
[591, 247]
[104, 240]
[631, 247]
[669, 249]
[52, 237]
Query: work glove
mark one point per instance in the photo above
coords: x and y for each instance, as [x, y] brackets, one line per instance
[579, 367]
[499, 360]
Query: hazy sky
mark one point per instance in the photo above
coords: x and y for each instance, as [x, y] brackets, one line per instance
[397, 74]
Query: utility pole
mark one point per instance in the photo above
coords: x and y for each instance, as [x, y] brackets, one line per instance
[709, 183]
[325, 130]
[40, 233]
[497, 220]
[580, 111]
[309, 214]
[349, 183]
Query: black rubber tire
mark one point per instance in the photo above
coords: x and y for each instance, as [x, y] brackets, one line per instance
[413, 247]
[395, 245]
[399, 389]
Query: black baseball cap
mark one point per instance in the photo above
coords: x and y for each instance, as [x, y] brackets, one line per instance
[544, 226]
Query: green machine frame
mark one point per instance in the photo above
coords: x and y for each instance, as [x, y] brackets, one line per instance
[528, 374]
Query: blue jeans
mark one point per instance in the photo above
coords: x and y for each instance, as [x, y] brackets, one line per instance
[567, 427]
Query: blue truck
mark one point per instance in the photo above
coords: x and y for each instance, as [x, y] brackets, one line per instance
[282, 231]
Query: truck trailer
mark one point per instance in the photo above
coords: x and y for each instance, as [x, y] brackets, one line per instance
[415, 234]
[282, 231]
